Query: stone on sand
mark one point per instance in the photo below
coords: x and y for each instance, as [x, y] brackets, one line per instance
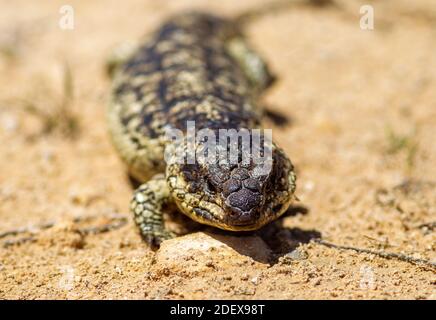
[205, 251]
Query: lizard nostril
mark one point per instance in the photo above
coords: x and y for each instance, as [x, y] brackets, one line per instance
[234, 213]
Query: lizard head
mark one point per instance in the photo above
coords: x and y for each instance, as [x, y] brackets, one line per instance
[239, 197]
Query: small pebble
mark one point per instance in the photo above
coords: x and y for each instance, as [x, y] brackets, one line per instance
[296, 255]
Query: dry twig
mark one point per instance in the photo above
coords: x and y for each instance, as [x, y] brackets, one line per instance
[383, 254]
[117, 221]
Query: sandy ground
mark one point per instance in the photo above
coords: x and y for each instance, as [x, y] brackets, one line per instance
[362, 110]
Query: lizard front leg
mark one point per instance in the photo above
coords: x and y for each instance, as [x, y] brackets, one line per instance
[148, 205]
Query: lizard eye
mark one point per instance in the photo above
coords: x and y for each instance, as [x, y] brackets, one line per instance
[211, 187]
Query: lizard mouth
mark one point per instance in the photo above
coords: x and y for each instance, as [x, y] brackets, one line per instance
[225, 218]
[210, 213]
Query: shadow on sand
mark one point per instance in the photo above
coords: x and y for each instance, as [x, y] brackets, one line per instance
[279, 240]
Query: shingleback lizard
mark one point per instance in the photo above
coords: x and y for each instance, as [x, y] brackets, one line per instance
[195, 67]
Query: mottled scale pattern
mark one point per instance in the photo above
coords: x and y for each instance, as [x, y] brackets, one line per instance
[185, 73]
